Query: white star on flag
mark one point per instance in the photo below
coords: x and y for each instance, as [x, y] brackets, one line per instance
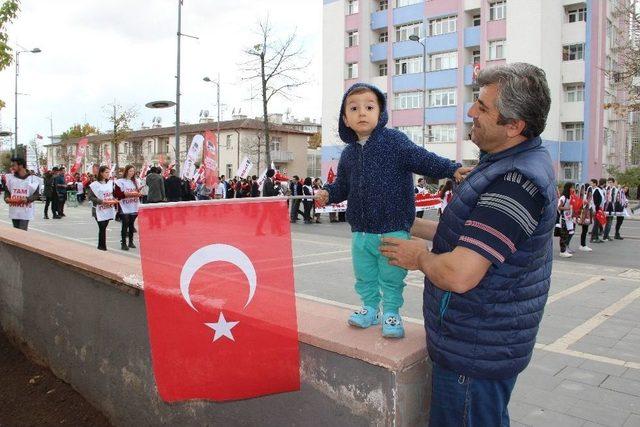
[222, 328]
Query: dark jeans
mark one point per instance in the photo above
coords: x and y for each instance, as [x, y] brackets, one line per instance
[607, 228]
[61, 199]
[583, 235]
[595, 231]
[565, 239]
[308, 205]
[295, 209]
[459, 400]
[50, 201]
[619, 221]
[22, 224]
[127, 227]
[102, 234]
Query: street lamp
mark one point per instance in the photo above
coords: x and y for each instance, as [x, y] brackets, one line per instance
[217, 83]
[15, 130]
[160, 105]
[415, 38]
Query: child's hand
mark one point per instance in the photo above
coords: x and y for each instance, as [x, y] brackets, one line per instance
[461, 173]
[322, 198]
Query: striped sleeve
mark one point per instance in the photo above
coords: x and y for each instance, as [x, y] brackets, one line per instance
[506, 215]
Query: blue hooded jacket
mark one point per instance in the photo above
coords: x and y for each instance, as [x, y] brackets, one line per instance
[377, 179]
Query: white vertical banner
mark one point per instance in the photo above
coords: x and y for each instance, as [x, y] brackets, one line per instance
[195, 150]
[263, 176]
[245, 167]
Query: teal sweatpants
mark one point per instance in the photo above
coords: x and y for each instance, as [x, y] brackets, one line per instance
[376, 279]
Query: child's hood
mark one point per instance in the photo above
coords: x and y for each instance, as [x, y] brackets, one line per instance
[347, 134]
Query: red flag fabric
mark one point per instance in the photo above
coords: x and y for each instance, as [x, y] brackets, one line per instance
[39, 136]
[220, 298]
[210, 160]
[280, 177]
[81, 150]
[331, 176]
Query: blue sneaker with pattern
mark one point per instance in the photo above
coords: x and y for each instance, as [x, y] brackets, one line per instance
[364, 317]
[392, 326]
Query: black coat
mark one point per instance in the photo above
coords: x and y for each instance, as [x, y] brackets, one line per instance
[173, 188]
[268, 190]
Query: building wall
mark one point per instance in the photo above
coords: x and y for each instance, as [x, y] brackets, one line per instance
[535, 32]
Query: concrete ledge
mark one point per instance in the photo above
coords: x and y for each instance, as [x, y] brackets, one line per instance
[81, 312]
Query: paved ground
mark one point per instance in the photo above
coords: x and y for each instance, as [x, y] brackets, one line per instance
[586, 366]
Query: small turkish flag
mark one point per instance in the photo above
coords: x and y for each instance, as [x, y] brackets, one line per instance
[220, 298]
[331, 176]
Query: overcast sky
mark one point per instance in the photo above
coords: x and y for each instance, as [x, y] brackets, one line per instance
[95, 52]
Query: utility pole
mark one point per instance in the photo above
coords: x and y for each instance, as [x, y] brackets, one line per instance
[177, 136]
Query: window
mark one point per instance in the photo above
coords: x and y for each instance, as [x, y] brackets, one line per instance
[570, 171]
[404, 31]
[442, 97]
[228, 145]
[382, 70]
[352, 71]
[442, 133]
[409, 65]
[442, 25]
[383, 4]
[407, 100]
[574, 92]
[443, 61]
[402, 3]
[229, 170]
[276, 143]
[414, 133]
[497, 49]
[475, 57]
[475, 94]
[498, 10]
[352, 7]
[577, 14]
[352, 38]
[573, 52]
[573, 131]
[383, 37]
[476, 20]
[149, 147]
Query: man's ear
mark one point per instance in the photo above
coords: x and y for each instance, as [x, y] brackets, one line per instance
[515, 128]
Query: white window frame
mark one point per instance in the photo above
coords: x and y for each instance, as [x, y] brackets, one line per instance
[573, 131]
[443, 61]
[353, 38]
[444, 25]
[475, 57]
[574, 92]
[409, 65]
[403, 3]
[404, 31]
[228, 143]
[407, 100]
[497, 49]
[439, 134]
[383, 37]
[573, 168]
[414, 133]
[575, 50]
[352, 7]
[476, 21]
[352, 71]
[576, 14]
[383, 69]
[446, 97]
[498, 10]
[383, 5]
[275, 143]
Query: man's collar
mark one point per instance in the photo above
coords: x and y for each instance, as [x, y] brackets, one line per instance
[525, 145]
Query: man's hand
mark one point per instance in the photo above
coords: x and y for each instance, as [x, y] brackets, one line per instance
[322, 198]
[461, 173]
[404, 253]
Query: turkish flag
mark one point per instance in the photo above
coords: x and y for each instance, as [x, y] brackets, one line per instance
[219, 293]
[331, 176]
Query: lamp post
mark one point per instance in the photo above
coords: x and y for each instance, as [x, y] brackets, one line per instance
[160, 105]
[15, 130]
[217, 83]
[415, 38]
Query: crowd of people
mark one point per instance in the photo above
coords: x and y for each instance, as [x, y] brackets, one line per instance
[593, 206]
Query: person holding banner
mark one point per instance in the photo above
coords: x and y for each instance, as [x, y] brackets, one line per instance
[127, 191]
[375, 155]
[20, 192]
[103, 202]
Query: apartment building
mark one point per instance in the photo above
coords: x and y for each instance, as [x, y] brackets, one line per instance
[384, 42]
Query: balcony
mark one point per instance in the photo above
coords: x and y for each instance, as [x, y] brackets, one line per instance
[467, 107]
[379, 20]
[442, 43]
[282, 156]
[472, 36]
[407, 14]
[378, 52]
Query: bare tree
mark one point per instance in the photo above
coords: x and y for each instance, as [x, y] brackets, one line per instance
[120, 118]
[625, 69]
[254, 149]
[278, 65]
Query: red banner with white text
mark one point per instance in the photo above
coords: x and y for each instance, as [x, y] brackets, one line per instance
[81, 150]
[210, 160]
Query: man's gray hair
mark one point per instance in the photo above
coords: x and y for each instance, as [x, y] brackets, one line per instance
[523, 94]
